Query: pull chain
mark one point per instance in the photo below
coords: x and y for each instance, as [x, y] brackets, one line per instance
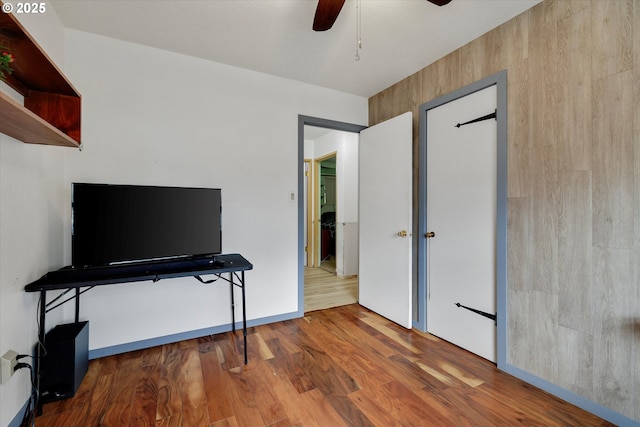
[358, 28]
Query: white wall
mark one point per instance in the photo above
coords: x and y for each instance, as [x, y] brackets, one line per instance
[155, 117]
[347, 227]
[31, 227]
[348, 184]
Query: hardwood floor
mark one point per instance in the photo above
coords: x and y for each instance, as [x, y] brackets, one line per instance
[340, 367]
[322, 289]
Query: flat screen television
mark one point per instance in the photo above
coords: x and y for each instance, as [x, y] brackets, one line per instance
[116, 224]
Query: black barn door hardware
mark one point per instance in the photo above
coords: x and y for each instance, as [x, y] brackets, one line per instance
[493, 317]
[493, 115]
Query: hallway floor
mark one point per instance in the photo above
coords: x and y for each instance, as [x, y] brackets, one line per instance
[323, 289]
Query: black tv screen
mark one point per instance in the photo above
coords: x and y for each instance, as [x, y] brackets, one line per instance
[114, 224]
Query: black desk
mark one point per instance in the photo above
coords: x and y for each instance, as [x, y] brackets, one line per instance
[70, 279]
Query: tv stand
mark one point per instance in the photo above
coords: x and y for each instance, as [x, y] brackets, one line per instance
[72, 279]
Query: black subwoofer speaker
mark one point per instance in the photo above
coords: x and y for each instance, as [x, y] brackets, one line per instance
[66, 361]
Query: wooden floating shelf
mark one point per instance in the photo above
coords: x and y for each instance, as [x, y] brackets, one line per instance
[24, 125]
[51, 111]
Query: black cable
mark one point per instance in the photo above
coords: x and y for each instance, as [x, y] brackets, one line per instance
[201, 280]
[28, 418]
[40, 344]
[206, 282]
[22, 365]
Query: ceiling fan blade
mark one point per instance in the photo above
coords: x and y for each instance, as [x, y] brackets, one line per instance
[439, 2]
[326, 14]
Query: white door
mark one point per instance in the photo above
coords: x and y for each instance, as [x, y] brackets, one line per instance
[461, 214]
[385, 218]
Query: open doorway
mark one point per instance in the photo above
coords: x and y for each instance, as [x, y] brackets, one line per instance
[329, 214]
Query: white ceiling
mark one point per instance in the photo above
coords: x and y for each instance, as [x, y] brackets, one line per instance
[399, 37]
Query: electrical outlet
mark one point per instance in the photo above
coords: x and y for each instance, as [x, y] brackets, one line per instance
[9, 361]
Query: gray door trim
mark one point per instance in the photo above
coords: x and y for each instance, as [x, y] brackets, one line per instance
[324, 123]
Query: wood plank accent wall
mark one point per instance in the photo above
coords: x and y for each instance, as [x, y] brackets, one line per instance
[573, 83]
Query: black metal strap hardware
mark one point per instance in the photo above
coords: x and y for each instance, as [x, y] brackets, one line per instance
[493, 115]
[493, 317]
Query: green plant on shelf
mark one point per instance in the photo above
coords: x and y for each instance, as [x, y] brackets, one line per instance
[6, 58]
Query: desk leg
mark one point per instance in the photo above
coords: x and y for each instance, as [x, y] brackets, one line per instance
[244, 317]
[233, 304]
[77, 305]
[40, 353]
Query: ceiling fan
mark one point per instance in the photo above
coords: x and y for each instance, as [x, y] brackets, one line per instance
[328, 10]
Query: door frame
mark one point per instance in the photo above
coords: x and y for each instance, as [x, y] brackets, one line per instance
[323, 123]
[500, 80]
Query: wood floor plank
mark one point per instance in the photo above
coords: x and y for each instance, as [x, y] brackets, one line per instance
[535, 404]
[355, 363]
[145, 402]
[174, 420]
[192, 390]
[320, 411]
[291, 366]
[386, 337]
[243, 399]
[326, 375]
[466, 402]
[263, 349]
[385, 408]
[270, 402]
[416, 407]
[227, 422]
[389, 360]
[370, 405]
[118, 411]
[442, 378]
[323, 289]
[151, 356]
[340, 367]
[169, 401]
[489, 407]
[292, 401]
[463, 376]
[348, 325]
[99, 399]
[63, 419]
[225, 349]
[349, 411]
[289, 342]
[391, 331]
[410, 374]
[311, 367]
[216, 391]
[394, 404]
